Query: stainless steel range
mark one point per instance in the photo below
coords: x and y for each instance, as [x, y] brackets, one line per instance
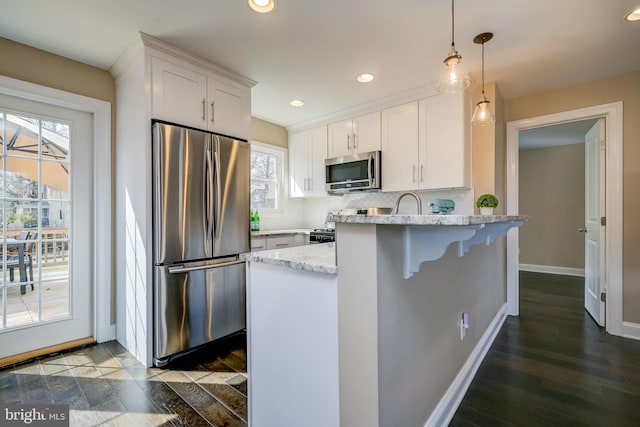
[322, 235]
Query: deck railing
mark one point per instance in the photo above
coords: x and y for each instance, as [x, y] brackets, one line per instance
[54, 243]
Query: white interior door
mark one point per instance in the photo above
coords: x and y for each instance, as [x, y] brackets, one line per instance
[46, 181]
[594, 230]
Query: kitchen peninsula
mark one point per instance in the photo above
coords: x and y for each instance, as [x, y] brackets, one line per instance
[374, 337]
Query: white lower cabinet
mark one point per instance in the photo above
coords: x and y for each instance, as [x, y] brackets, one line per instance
[259, 244]
[426, 144]
[278, 241]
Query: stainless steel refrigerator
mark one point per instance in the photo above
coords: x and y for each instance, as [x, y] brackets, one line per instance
[200, 227]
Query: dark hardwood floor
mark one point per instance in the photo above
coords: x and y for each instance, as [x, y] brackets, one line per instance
[553, 366]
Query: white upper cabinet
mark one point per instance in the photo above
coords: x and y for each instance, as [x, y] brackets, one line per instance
[307, 152]
[179, 95]
[444, 141]
[400, 147]
[188, 96]
[229, 109]
[358, 135]
[425, 144]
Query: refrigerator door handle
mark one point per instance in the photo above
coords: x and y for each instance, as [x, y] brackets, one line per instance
[208, 195]
[205, 266]
[216, 163]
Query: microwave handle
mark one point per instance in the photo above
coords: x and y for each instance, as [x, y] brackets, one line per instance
[371, 170]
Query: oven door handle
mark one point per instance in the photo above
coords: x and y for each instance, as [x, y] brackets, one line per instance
[370, 167]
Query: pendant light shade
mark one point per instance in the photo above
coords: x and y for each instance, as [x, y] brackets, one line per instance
[483, 116]
[453, 77]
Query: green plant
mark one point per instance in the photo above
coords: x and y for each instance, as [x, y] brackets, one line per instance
[487, 201]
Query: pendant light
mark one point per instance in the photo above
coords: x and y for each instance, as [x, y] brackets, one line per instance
[482, 115]
[453, 79]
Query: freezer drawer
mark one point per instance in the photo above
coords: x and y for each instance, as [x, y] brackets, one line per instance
[194, 307]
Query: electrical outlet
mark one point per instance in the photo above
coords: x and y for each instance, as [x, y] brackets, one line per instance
[464, 325]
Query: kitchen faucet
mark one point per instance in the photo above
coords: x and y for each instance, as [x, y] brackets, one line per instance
[408, 193]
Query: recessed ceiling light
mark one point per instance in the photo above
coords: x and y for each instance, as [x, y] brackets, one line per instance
[633, 16]
[297, 103]
[262, 6]
[365, 78]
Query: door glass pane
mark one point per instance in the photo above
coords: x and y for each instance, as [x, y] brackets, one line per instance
[35, 205]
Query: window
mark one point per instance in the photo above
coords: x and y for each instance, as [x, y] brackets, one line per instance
[267, 176]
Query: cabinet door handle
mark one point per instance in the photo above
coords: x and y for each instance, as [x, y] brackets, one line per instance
[281, 245]
[310, 185]
[203, 108]
[421, 173]
[414, 173]
[213, 113]
[348, 142]
[355, 143]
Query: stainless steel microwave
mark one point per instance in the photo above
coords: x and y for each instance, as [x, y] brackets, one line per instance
[357, 172]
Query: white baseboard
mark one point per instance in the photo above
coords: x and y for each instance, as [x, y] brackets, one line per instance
[446, 409]
[552, 269]
[631, 330]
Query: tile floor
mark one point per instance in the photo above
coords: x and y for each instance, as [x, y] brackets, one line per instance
[105, 386]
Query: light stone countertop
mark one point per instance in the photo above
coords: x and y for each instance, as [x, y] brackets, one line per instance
[424, 219]
[320, 258]
[265, 233]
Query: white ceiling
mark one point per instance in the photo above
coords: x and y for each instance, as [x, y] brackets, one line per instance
[313, 50]
[555, 135]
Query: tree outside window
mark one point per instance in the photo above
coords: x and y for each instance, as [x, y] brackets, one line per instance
[267, 177]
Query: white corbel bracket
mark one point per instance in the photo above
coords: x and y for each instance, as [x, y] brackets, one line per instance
[430, 242]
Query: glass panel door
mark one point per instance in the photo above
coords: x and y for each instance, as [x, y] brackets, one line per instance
[36, 215]
[45, 269]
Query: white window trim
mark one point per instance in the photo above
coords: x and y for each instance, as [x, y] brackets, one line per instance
[102, 206]
[284, 189]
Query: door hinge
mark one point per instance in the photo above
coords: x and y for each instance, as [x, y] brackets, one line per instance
[603, 297]
[603, 220]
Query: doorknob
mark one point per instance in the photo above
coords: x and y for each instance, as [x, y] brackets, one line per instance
[582, 229]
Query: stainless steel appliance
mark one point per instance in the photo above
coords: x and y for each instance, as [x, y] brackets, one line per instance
[200, 226]
[322, 235]
[357, 172]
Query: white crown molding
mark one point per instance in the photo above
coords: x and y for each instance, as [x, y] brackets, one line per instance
[370, 107]
[142, 40]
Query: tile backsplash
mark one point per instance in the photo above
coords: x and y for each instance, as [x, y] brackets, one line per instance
[464, 200]
[316, 209]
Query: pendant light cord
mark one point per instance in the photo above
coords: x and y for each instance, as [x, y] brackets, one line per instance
[483, 97]
[453, 23]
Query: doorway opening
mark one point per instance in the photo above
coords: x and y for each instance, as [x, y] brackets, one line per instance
[612, 206]
[560, 178]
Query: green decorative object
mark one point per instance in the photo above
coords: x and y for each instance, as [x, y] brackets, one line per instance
[487, 201]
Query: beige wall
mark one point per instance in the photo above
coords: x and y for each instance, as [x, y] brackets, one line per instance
[37, 66]
[269, 133]
[625, 88]
[488, 149]
[551, 191]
